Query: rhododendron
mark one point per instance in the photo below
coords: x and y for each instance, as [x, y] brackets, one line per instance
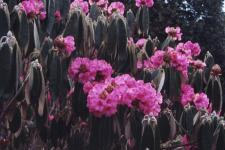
[189, 48]
[100, 3]
[148, 3]
[179, 61]
[140, 43]
[197, 64]
[193, 47]
[187, 94]
[69, 44]
[145, 98]
[174, 33]
[102, 99]
[34, 8]
[201, 101]
[58, 16]
[79, 70]
[83, 5]
[185, 141]
[92, 71]
[116, 7]
[65, 44]
[156, 60]
[102, 69]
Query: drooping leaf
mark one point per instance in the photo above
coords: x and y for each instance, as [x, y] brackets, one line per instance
[100, 31]
[95, 12]
[130, 18]
[145, 20]
[5, 19]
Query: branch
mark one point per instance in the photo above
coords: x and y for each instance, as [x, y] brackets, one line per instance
[14, 97]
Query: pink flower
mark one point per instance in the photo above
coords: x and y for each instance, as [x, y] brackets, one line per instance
[116, 7]
[100, 3]
[187, 94]
[140, 43]
[193, 47]
[69, 44]
[156, 61]
[102, 99]
[34, 8]
[58, 16]
[139, 64]
[51, 117]
[185, 141]
[148, 3]
[79, 70]
[179, 61]
[201, 101]
[101, 69]
[197, 64]
[174, 33]
[80, 4]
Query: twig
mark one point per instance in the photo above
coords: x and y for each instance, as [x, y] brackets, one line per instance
[14, 97]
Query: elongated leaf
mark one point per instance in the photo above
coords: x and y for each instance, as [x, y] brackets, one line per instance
[217, 95]
[130, 23]
[166, 43]
[50, 16]
[100, 32]
[15, 123]
[145, 20]
[6, 57]
[5, 19]
[197, 81]
[159, 80]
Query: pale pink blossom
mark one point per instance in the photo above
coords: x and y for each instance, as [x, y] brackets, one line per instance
[148, 3]
[194, 47]
[197, 64]
[116, 7]
[174, 33]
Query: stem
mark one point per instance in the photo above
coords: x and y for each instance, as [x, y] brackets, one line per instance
[14, 97]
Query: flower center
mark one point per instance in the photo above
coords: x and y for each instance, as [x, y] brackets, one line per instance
[83, 68]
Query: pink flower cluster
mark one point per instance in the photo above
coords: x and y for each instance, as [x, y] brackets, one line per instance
[100, 3]
[179, 61]
[189, 48]
[197, 64]
[104, 98]
[34, 8]
[116, 7]
[187, 94]
[156, 61]
[174, 33]
[140, 43]
[148, 3]
[66, 44]
[80, 4]
[200, 100]
[85, 70]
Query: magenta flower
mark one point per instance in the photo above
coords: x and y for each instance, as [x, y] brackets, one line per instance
[140, 43]
[157, 59]
[201, 101]
[197, 64]
[193, 47]
[80, 4]
[174, 33]
[100, 3]
[148, 3]
[34, 8]
[116, 7]
[187, 94]
[58, 16]
[69, 44]
[102, 99]
[185, 140]
[179, 61]
[79, 70]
